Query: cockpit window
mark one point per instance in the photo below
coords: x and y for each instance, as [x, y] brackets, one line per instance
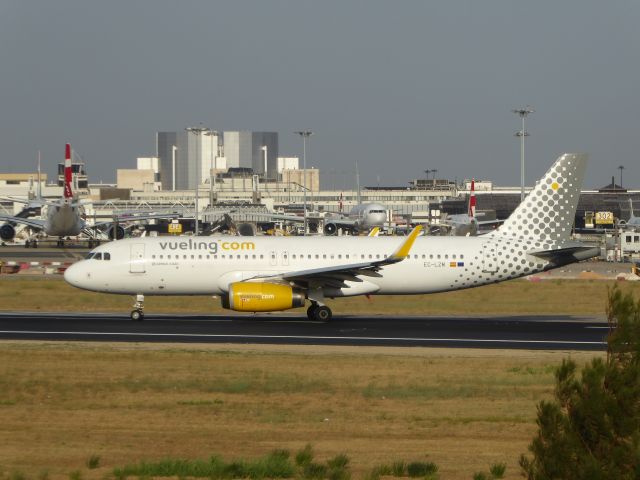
[98, 256]
[106, 256]
[90, 256]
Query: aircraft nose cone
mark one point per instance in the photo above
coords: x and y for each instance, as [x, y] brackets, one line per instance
[75, 275]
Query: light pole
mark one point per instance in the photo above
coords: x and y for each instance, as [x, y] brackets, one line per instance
[214, 152]
[197, 131]
[173, 167]
[305, 134]
[523, 112]
[621, 168]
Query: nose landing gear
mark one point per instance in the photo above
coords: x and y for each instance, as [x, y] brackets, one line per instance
[137, 314]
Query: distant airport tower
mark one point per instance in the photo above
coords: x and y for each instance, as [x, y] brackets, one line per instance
[255, 150]
[166, 145]
[181, 153]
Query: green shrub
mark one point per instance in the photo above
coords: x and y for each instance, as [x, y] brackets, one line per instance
[497, 470]
[421, 469]
[304, 456]
[398, 468]
[273, 465]
[314, 471]
[93, 462]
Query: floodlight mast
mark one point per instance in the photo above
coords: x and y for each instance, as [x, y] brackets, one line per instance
[523, 112]
[305, 134]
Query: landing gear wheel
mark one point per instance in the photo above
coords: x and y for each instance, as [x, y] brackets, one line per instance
[323, 313]
[311, 311]
[319, 313]
[137, 313]
[27, 244]
[34, 244]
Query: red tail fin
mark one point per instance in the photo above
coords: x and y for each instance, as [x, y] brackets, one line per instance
[472, 199]
[68, 193]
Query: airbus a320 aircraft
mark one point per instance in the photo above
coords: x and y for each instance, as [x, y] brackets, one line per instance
[273, 274]
[464, 224]
[362, 217]
[63, 216]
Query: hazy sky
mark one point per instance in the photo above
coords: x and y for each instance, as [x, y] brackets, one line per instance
[401, 86]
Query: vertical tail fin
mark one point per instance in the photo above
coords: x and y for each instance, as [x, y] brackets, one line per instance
[472, 199]
[68, 193]
[548, 212]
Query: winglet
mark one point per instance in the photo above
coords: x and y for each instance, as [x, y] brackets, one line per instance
[403, 251]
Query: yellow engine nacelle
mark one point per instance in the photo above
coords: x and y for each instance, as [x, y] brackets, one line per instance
[262, 297]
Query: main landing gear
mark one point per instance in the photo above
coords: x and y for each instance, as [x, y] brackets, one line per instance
[137, 313]
[319, 313]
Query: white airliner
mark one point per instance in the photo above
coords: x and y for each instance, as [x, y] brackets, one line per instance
[633, 221]
[464, 224]
[63, 216]
[362, 217]
[278, 273]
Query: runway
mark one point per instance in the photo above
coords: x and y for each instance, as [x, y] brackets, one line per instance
[504, 332]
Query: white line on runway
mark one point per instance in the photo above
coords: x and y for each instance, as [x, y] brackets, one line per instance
[302, 337]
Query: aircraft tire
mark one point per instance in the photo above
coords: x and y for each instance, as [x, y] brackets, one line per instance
[311, 311]
[323, 313]
[137, 315]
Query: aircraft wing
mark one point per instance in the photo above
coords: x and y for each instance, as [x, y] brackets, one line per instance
[490, 222]
[341, 221]
[31, 222]
[32, 203]
[336, 275]
[135, 218]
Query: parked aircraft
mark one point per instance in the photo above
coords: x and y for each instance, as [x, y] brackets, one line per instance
[633, 221]
[464, 224]
[64, 217]
[273, 274]
[361, 218]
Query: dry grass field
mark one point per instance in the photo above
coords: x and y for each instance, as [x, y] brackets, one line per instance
[549, 297]
[62, 403]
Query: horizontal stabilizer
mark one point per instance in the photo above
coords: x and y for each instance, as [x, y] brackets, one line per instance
[562, 256]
